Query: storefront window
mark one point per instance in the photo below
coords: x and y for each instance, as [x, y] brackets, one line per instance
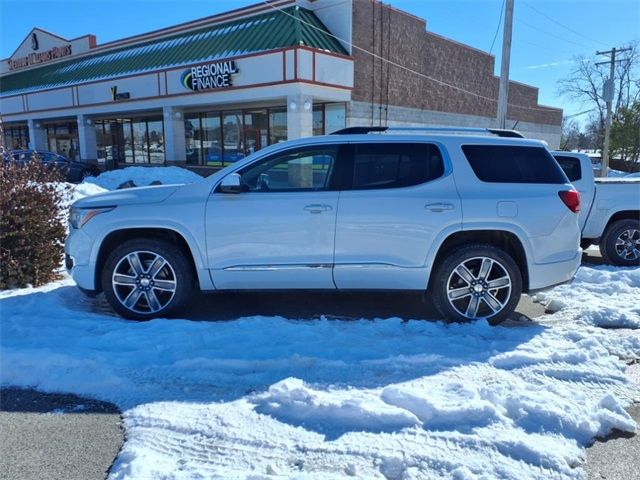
[335, 116]
[318, 120]
[127, 141]
[140, 152]
[155, 139]
[233, 148]
[278, 125]
[211, 139]
[216, 139]
[124, 140]
[256, 130]
[192, 136]
[108, 143]
[16, 137]
[63, 139]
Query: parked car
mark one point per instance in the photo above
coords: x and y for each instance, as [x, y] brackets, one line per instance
[73, 171]
[473, 219]
[610, 212]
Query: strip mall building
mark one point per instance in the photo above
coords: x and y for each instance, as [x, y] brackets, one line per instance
[208, 92]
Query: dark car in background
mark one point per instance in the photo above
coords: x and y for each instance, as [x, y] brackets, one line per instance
[73, 171]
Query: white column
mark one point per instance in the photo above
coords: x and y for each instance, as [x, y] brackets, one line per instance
[174, 142]
[299, 116]
[37, 135]
[87, 139]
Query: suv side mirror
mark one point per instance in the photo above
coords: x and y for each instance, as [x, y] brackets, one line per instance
[231, 184]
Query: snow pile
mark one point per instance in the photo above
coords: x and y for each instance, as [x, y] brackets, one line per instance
[143, 176]
[605, 296]
[76, 192]
[273, 397]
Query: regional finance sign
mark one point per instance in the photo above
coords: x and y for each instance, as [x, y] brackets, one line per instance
[212, 75]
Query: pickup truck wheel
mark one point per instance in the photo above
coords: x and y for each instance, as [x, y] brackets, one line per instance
[620, 244]
[478, 281]
[145, 278]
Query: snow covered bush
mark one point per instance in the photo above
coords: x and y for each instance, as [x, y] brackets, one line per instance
[32, 229]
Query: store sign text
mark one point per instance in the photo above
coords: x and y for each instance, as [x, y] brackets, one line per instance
[212, 75]
[40, 57]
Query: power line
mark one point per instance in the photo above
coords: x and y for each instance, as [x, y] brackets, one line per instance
[573, 115]
[545, 47]
[560, 24]
[395, 64]
[538, 29]
[498, 27]
[495, 36]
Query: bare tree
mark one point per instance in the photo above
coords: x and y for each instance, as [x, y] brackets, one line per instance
[586, 79]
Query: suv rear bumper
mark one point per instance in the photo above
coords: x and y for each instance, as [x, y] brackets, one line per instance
[550, 274]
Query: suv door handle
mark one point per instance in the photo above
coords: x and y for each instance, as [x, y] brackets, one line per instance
[318, 208]
[439, 207]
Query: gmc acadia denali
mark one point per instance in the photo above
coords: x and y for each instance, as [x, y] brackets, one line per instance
[473, 217]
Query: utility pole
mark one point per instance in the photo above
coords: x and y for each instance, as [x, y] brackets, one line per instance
[608, 92]
[503, 93]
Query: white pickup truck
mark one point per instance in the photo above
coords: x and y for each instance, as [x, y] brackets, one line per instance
[610, 210]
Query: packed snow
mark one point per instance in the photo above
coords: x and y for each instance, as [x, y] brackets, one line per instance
[317, 398]
[143, 176]
[273, 397]
[600, 295]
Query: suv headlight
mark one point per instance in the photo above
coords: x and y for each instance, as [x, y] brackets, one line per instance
[78, 217]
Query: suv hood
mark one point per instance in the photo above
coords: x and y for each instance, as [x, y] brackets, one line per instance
[128, 196]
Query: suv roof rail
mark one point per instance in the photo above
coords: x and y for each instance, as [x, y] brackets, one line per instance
[364, 130]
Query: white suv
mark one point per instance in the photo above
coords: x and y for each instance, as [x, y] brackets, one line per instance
[474, 219]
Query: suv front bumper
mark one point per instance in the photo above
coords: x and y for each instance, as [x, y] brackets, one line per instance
[77, 248]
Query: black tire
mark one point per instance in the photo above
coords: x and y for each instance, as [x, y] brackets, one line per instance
[87, 172]
[179, 272]
[444, 282]
[614, 254]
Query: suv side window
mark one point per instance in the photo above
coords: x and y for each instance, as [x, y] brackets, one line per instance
[297, 170]
[395, 165]
[570, 166]
[513, 164]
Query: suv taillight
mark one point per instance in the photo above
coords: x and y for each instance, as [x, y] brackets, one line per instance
[571, 199]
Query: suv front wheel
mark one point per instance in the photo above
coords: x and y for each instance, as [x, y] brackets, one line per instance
[145, 278]
[478, 281]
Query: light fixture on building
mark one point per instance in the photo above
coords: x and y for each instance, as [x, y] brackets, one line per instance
[293, 105]
[307, 105]
[88, 121]
[177, 115]
[38, 125]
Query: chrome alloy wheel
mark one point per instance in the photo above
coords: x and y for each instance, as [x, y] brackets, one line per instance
[144, 282]
[479, 287]
[628, 244]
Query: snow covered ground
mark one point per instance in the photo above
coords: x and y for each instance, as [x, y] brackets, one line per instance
[317, 398]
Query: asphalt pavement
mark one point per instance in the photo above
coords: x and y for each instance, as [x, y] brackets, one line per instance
[56, 436]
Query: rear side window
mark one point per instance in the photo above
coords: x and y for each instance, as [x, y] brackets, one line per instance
[513, 164]
[570, 166]
[395, 165]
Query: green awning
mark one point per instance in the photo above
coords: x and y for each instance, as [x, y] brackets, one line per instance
[272, 30]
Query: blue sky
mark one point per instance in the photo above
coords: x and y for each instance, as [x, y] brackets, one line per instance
[547, 34]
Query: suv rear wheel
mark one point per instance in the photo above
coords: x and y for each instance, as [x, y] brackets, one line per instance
[145, 278]
[478, 281]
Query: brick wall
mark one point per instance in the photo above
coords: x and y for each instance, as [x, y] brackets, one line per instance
[403, 39]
